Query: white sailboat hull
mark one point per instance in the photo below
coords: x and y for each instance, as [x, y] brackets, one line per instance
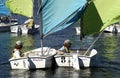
[67, 60]
[6, 27]
[34, 60]
[113, 28]
[31, 63]
[24, 29]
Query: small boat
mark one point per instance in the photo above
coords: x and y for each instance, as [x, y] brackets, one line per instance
[7, 26]
[5, 20]
[94, 23]
[67, 60]
[76, 58]
[34, 59]
[115, 28]
[27, 11]
[24, 30]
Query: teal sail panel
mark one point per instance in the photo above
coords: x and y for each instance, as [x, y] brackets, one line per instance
[59, 14]
[3, 9]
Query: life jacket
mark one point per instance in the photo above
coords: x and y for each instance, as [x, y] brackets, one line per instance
[13, 55]
[66, 49]
[31, 23]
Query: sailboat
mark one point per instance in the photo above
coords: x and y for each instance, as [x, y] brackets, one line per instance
[93, 21]
[5, 20]
[34, 59]
[19, 7]
[81, 57]
[114, 28]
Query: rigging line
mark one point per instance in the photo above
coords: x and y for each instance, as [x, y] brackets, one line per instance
[93, 43]
[39, 8]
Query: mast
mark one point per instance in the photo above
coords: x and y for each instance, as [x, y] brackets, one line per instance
[81, 25]
[81, 32]
[41, 29]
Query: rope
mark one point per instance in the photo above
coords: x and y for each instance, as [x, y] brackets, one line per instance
[93, 43]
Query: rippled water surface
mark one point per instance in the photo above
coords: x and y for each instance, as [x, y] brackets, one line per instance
[105, 64]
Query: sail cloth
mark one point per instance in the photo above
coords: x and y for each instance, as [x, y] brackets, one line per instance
[99, 15]
[59, 14]
[21, 7]
[3, 9]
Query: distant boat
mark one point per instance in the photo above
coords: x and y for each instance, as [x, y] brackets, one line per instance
[7, 26]
[24, 10]
[22, 29]
[5, 21]
[114, 28]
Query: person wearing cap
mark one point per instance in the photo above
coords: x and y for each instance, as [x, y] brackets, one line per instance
[29, 23]
[65, 48]
[17, 50]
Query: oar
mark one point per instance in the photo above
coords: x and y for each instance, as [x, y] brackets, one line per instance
[76, 65]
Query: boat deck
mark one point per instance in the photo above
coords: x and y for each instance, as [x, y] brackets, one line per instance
[78, 52]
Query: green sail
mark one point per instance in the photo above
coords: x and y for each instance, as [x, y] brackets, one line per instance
[21, 7]
[100, 14]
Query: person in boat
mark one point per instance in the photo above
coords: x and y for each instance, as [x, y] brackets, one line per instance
[17, 50]
[5, 19]
[29, 23]
[11, 19]
[65, 48]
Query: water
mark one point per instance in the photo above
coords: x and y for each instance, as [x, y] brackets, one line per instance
[104, 65]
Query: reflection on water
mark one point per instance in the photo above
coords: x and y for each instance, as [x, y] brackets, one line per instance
[84, 44]
[62, 72]
[48, 73]
[110, 46]
[108, 51]
[28, 73]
